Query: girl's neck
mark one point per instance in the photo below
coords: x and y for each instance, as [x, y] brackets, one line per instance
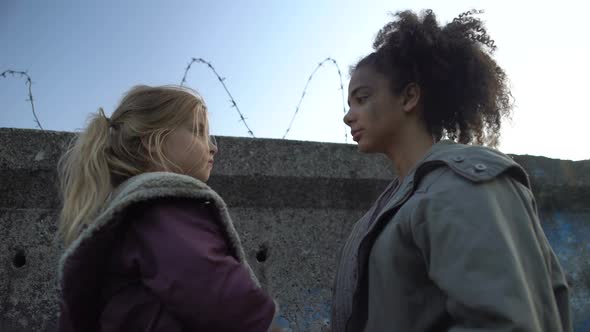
[408, 151]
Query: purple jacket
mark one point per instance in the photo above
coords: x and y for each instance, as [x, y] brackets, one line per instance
[163, 264]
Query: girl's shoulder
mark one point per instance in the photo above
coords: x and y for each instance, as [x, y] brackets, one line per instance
[163, 188]
[161, 184]
[472, 163]
[171, 211]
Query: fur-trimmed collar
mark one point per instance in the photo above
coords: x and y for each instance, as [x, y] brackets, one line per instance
[149, 186]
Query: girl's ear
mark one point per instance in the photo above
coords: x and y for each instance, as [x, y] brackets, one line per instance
[411, 97]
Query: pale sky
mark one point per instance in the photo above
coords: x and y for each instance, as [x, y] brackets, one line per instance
[82, 56]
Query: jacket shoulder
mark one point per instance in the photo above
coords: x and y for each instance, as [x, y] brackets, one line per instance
[476, 164]
[166, 205]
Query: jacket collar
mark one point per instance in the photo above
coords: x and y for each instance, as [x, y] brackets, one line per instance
[473, 162]
[145, 187]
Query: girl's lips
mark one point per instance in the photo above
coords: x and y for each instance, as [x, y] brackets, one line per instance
[356, 135]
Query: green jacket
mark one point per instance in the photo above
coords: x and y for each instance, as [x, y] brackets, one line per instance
[459, 247]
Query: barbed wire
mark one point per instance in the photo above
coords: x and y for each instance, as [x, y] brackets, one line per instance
[221, 80]
[29, 83]
[331, 60]
[234, 104]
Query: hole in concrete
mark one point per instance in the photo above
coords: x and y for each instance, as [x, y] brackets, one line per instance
[262, 253]
[19, 259]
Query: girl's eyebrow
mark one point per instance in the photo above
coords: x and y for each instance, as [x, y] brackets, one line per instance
[356, 91]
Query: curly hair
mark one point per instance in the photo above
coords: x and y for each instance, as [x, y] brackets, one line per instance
[464, 92]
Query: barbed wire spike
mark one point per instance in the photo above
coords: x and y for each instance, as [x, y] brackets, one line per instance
[29, 83]
[221, 80]
[297, 108]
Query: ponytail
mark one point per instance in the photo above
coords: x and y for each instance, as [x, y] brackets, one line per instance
[85, 177]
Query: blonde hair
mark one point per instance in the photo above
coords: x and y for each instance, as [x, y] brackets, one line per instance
[110, 151]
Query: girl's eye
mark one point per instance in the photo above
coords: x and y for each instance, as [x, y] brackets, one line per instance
[361, 99]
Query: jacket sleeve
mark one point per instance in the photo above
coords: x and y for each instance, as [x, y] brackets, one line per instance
[486, 251]
[183, 258]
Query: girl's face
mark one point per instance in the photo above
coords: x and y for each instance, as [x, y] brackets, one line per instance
[191, 149]
[376, 114]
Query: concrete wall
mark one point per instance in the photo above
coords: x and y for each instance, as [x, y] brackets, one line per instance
[293, 204]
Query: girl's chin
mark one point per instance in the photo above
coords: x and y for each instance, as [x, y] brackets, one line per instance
[363, 147]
